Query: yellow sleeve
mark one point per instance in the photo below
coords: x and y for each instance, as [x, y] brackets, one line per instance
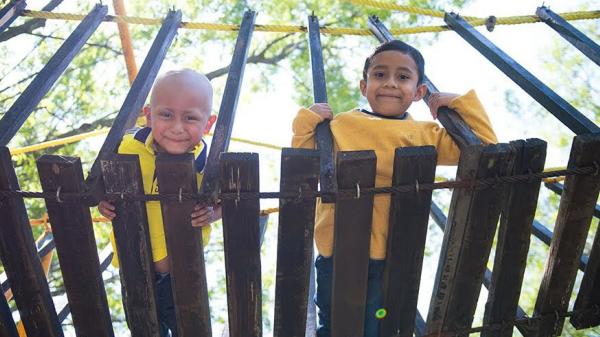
[303, 128]
[471, 110]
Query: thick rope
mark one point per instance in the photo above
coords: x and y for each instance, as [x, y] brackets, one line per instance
[512, 20]
[406, 9]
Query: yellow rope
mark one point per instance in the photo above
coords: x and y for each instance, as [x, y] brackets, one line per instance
[407, 9]
[57, 142]
[512, 20]
[76, 138]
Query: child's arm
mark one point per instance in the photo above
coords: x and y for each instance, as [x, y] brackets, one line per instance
[470, 109]
[107, 209]
[305, 123]
[203, 215]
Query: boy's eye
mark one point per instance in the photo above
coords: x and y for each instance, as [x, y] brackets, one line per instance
[378, 74]
[403, 77]
[192, 118]
[165, 114]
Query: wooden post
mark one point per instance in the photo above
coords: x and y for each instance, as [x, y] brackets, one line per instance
[21, 261]
[177, 174]
[352, 240]
[224, 126]
[75, 245]
[409, 217]
[468, 237]
[239, 173]
[10, 13]
[299, 172]
[122, 174]
[513, 237]
[570, 231]
[588, 296]
[8, 327]
[324, 137]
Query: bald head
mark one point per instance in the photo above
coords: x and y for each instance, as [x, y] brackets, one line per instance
[185, 82]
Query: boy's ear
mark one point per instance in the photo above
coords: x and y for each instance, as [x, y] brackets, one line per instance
[211, 120]
[148, 114]
[363, 87]
[421, 91]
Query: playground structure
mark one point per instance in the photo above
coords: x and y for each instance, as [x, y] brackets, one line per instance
[494, 183]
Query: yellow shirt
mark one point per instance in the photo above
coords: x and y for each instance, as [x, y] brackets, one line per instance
[141, 143]
[355, 130]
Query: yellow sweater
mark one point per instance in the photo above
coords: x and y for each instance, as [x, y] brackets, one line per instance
[355, 130]
[141, 142]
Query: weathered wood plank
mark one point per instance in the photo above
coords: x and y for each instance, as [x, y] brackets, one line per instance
[20, 259]
[468, 239]
[588, 296]
[409, 217]
[224, 126]
[239, 173]
[570, 231]
[324, 137]
[23, 106]
[518, 212]
[299, 172]
[8, 328]
[75, 245]
[177, 174]
[122, 174]
[352, 239]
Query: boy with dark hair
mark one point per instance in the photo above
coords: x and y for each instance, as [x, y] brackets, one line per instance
[392, 81]
[178, 115]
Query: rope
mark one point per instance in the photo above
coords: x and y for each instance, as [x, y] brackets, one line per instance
[62, 197]
[407, 9]
[76, 138]
[512, 20]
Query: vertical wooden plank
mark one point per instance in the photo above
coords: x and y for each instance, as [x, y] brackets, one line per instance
[75, 245]
[239, 173]
[122, 174]
[324, 139]
[409, 217]
[299, 172]
[570, 231]
[589, 291]
[513, 237]
[224, 126]
[20, 259]
[177, 174]
[352, 239]
[8, 328]
[468, 237]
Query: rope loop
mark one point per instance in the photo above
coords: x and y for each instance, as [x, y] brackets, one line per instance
[58, 199]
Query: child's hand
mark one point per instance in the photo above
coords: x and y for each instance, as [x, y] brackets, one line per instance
[322, 109]
[203, 215]
[107, 209]
[439, 99]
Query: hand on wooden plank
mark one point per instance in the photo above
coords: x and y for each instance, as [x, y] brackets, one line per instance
[439, 99]
[204, 215]
[107, 209]
[322, 109]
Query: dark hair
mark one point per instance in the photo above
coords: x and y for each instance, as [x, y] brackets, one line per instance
[402, 47]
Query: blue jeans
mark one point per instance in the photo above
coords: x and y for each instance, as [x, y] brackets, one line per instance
[324, 266]
[165, 306]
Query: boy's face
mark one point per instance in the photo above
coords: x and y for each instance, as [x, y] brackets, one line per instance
[391, 84]
[179, 114]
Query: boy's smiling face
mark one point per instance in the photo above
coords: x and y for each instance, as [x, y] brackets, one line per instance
[392, 83]
[179, 112]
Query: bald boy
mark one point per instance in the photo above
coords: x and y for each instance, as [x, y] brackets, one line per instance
[178, 115]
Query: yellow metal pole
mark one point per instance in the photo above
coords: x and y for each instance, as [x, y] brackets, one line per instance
[126, 41]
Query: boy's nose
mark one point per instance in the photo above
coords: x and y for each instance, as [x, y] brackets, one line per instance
[391, 82]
